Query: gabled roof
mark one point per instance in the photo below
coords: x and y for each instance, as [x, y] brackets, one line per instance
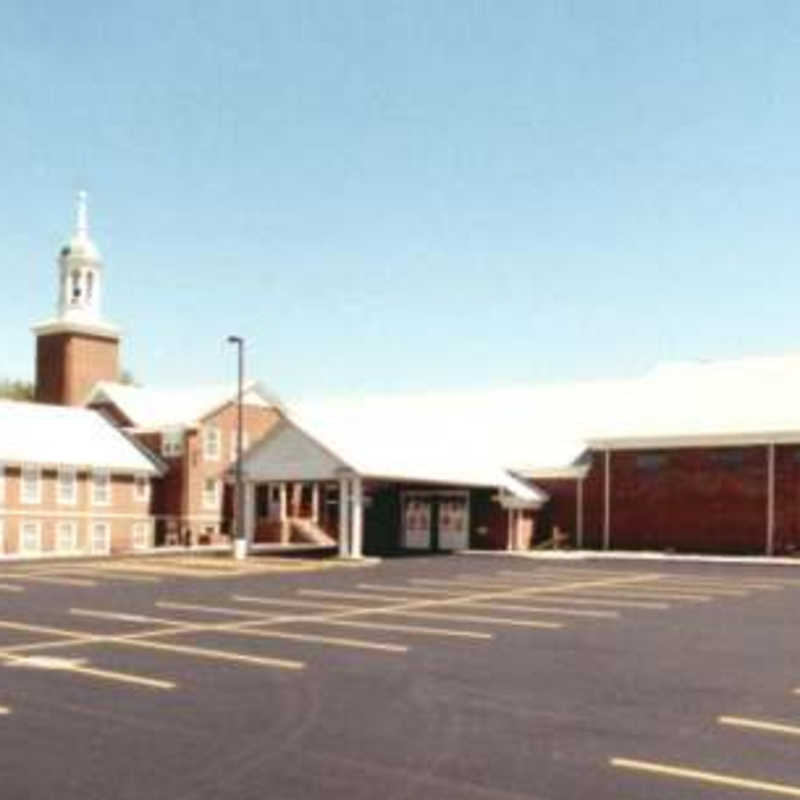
[60, 435]
[384, 438]
[150, 408]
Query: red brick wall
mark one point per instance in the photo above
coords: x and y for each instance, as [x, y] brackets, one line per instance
[560, 511]
[123, 510]
[69, 364]
[692, 502]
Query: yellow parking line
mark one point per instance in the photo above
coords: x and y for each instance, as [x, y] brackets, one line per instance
[522, 623]
[413, 629]
[88, 612]
[165, 569]
[760, 725]
[645, 593]
[498, 606]
[203, 652]
[233, 612]
[24, 626]
[4, 710]
[46, 579]
[7, 587]
[543, 593]
[105, 575]
[67, 665]
[386, 587]
[707, 777]
[286, 601]
[314, 639]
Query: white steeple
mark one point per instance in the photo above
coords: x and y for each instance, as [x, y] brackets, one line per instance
[80, 274]
[80, 271]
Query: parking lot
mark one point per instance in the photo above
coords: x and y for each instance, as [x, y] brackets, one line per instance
[426, 677]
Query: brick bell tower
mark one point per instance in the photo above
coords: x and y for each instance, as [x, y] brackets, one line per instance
[76, 348]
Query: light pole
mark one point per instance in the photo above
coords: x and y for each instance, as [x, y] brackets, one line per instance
[239, 534]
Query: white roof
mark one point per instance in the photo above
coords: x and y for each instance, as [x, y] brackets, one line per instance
[152, 408]
[727, 402]
[60, 435]
[541, 431]
[407, 438]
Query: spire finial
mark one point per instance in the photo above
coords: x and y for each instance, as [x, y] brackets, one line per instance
[82, 216]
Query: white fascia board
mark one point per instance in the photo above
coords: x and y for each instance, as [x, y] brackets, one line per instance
[700, 440]
[99, 328]
[576, 471]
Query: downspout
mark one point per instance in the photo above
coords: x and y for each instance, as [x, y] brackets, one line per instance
[770, 549]
[607, 500]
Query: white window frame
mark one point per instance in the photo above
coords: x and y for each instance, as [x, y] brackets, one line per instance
[70, 498]
[208, 503]
[35, 527]
[245, 443]
[141, 535]
[100, 499]
[106, 527]
[172, 442]
[141, 495]
[72, 528]
[212, 443]
[30, 498]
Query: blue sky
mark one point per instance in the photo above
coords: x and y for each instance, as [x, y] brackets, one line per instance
[387, 196]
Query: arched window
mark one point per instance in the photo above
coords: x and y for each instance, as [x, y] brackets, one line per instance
[75, 294]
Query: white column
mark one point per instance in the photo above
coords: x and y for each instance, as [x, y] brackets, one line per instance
[770, 499]
[510, 531]
[315, 503]
[579, 514]
[283, 517]
[358, 519]
[607, 501]
[249, 512]
[344, 517]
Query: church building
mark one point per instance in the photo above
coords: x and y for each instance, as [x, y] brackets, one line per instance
[689, 457]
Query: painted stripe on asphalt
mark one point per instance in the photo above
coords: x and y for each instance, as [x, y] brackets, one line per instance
[46, 579]
[421, 630]
[467, 603]
[522, 623]
[760, 725]
[4, 710]
[7, 587]
[707, 777]
[88, 612]
[204, 652]
[232, 612]
[360, 644]
[79, 666]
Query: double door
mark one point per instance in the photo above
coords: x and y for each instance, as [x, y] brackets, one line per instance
[435, 520]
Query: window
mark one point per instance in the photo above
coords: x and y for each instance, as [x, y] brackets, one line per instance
[245, 443]
[67, 537]
[211, 443]
[172, 443]
[651, 462]
[100, 539]
[67, 491]
[30, 537]
[101, 488]
[31, 486]
[140, 535]
[141, 488]
[730, 457]
[211, 494]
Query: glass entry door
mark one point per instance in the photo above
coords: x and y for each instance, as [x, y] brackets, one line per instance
[417, 518]
[453, 522]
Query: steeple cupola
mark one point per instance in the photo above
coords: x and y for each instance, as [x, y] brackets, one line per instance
[80, 271]
[77, 347]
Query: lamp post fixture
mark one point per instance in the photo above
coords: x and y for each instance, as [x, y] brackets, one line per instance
[239, 534]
